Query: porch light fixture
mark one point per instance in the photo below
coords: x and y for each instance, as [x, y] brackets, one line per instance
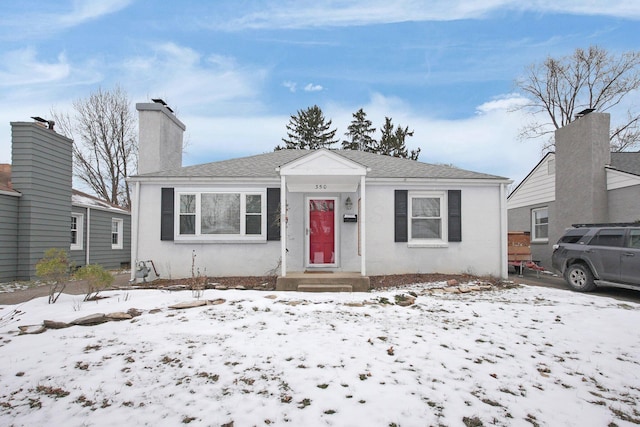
[348, 204]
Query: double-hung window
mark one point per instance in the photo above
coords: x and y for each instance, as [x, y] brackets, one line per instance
[77, 226]
[116, 233]
[428, 216]
[540, 225]
[232, 215]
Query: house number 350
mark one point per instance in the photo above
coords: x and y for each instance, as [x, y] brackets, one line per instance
[321, 186]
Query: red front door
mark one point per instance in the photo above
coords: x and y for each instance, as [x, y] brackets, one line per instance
[322, 231]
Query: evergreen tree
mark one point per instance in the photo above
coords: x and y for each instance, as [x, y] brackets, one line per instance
[393, 141]
[359, 133]
[387, 139]
[309, 130]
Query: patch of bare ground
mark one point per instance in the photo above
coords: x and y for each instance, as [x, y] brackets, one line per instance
[269, 282]
[399, 280]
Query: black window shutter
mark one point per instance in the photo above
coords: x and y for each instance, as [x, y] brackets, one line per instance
[273, 214]
[455, 215]
[401, 219]
[166, 214]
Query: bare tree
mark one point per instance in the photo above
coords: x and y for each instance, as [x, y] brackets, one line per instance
[103, 127]
[587, 79]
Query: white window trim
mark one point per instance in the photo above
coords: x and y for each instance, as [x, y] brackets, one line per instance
[79, 232]
[442, 242]
[534, 238]
[120, 227]
[221, 238]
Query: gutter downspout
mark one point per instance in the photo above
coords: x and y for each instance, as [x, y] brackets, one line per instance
[134, 232]
[363, 240]
[87, 255]
[283, 226]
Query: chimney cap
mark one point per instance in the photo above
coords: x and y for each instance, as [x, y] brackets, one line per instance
[585, 112]
[50, 123]
[161, 101]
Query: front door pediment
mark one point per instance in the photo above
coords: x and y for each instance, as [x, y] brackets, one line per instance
[323, 162]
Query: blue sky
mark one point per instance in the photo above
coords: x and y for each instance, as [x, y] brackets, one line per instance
[234, 71]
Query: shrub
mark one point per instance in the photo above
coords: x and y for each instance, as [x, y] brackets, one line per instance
[55, 269]
[97, 279]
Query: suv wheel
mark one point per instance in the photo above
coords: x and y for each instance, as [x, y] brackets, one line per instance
[579, 278]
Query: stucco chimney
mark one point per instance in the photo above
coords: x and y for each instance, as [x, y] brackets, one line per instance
[160, 137]
[582, 151]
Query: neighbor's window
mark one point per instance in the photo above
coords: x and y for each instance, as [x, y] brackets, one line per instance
[427, 217]
[540, 225]
[217, 215]
[77, 225]
[116, 233]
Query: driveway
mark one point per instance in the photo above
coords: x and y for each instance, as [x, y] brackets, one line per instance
[75, 287]
[529, 277]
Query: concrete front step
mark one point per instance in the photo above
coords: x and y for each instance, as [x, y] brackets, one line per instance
[323, 282]
[325, 288]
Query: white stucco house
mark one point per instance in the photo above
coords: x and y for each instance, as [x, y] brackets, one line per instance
[347, 212]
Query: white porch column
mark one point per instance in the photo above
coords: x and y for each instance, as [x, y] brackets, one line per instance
[363, 239]
[283, 225]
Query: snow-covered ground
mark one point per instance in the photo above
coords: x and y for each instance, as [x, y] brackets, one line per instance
[508, 357]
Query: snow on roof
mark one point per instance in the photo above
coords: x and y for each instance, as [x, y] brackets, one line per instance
[87, 201]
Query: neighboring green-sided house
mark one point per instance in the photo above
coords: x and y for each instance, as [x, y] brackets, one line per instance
[347, 213]
[40, 210]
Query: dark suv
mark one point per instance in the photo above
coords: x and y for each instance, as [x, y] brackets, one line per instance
[590, 255]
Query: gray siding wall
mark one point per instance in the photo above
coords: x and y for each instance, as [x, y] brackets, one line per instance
[100, 249]
[519, 219]
[42, 172]
[624, 204]
[97, 239]
[8, 237]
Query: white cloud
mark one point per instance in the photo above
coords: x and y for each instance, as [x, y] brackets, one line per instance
[84, 11]
[290, 85]
[22, 67]
[189, 81]
[506, 102]
[195, 82]
[220, 137]
[37, 22]
[306, 14]
[486, 142]
[312, 88]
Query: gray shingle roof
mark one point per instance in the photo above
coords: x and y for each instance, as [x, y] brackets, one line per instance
[626, 162]
[264, 166]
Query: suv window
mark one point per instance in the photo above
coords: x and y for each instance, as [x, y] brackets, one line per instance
[634, 238]
[608, 237]
[573, 236]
